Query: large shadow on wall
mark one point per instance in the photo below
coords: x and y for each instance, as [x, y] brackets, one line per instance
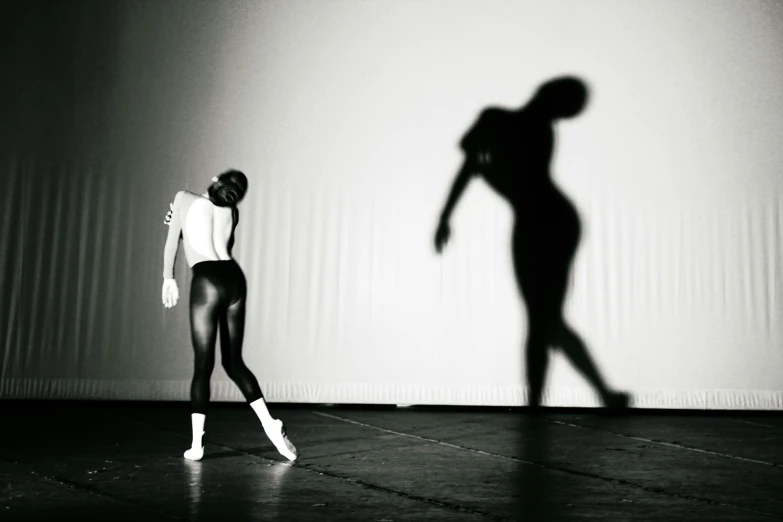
[512, 151]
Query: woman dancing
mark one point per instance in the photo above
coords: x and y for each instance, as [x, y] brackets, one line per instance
[217, 296]
[512, 150]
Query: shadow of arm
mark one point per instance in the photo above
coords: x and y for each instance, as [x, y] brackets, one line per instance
[457, 188]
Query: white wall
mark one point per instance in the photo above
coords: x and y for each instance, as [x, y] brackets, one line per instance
[346, 115]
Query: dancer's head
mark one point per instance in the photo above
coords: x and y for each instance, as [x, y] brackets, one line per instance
[563, 97]
[228, 189]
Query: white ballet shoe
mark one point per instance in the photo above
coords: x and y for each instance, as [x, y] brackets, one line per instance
[194, 453]
[275, 430]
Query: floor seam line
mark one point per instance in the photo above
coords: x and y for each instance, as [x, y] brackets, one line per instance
[90, 489]
[754, 423]
[438, 503]
[553, 468]
[669, 444]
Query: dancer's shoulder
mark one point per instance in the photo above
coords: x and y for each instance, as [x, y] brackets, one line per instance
[182, 199]
[494, 112]
[185, 196]
[492, 116]
[485, 125]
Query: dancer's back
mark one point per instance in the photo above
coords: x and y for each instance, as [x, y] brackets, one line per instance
[207, 231]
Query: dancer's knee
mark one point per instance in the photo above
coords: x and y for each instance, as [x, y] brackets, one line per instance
[234, 369]
[203, 362]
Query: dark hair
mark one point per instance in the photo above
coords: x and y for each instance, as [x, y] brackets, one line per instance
[563, 97]
[229, 189]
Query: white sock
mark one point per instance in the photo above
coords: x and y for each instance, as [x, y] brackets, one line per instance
[197, 421]
[196, 450]
[274, 430]
[259, 406]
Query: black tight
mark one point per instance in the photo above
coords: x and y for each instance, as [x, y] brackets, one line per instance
[217, 296]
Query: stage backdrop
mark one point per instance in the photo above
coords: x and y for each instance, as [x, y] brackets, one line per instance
[346, 116]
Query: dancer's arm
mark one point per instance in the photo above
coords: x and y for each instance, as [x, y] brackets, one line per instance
[457, 188]
[172, 241]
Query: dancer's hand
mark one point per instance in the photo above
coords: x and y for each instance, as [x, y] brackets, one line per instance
[170, 292]
[167, 219]
[442, 235]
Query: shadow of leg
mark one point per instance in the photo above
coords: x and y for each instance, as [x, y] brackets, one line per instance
[538, 497]
[537, 361]
[573, 346]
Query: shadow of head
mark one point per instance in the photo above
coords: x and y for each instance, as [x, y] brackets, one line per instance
[563, 97]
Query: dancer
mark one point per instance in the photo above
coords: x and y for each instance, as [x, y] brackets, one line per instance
[218, 290]
[512, 151]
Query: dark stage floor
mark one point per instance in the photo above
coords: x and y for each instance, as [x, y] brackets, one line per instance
[123, 461]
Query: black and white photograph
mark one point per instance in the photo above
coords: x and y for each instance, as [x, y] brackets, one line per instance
[391, 260]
